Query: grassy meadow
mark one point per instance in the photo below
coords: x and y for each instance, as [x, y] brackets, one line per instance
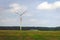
[29, 35]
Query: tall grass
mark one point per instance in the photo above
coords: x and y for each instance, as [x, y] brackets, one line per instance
[29, 35]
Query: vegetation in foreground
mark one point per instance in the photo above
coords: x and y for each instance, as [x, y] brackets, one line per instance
[29, 35]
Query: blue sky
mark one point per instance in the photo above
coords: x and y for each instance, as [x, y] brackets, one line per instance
[44, 13]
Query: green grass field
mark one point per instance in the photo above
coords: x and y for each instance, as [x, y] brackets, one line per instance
[29, 35]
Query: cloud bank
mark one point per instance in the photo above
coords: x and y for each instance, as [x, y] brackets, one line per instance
[48, 6]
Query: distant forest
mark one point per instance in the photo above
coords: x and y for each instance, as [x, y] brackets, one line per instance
[30, 28]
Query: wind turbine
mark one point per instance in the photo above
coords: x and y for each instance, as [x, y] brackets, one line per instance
[20, 15]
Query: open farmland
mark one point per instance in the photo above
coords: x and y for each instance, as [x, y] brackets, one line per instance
[29, 35]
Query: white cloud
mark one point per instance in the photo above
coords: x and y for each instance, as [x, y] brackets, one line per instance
[2, 9]
[28, 15]
[32, 20]
[57, 4]
[43, 23]
[15, 7]
[48, 6]
[37, 22]
[8, 20]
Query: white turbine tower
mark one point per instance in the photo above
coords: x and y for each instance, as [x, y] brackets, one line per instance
[18, 9]
[21, 13]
